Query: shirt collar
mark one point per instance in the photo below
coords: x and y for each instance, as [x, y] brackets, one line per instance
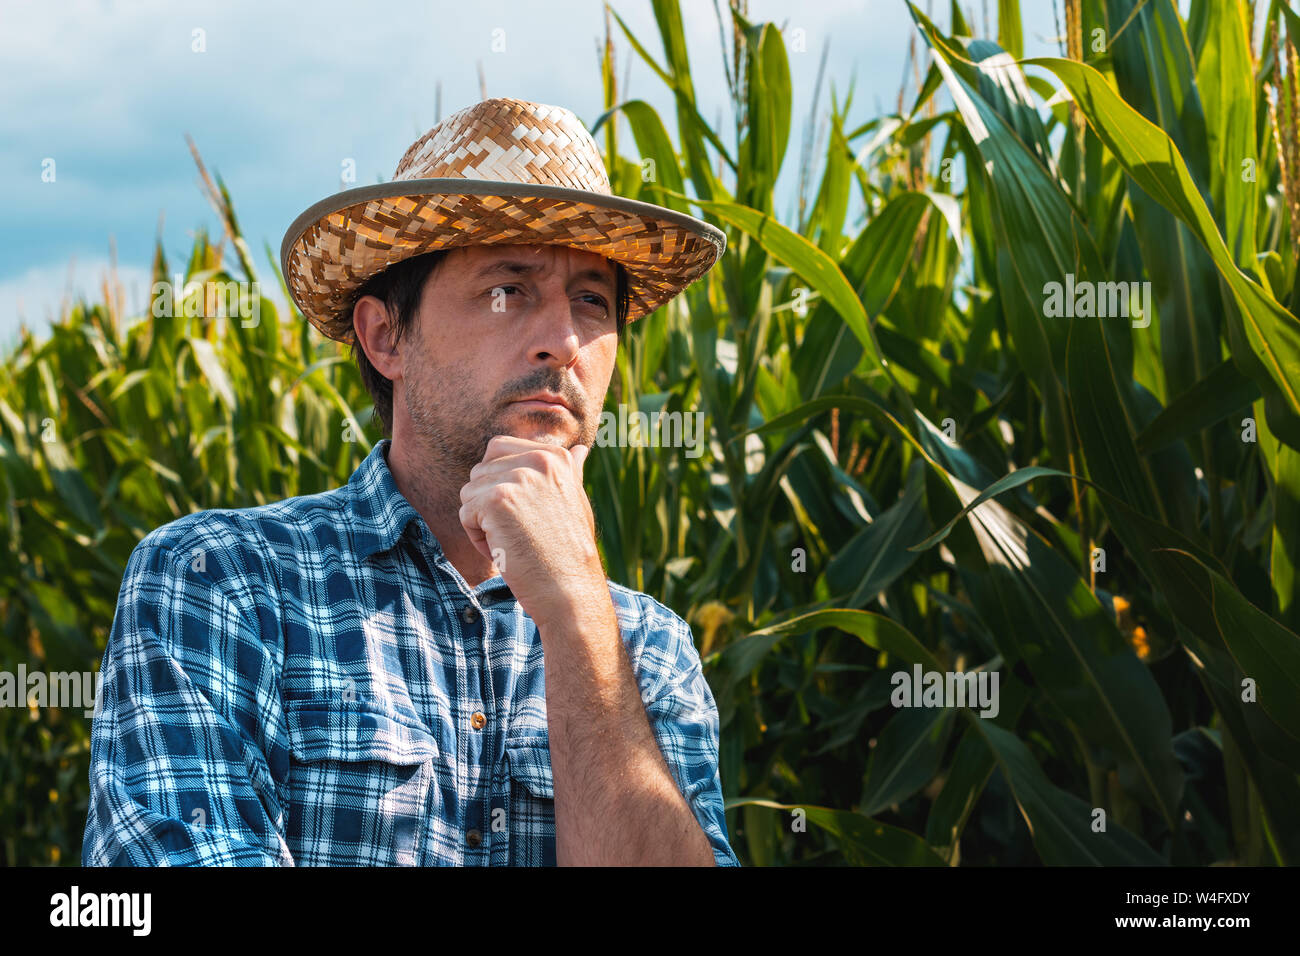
[380, 513]
[378, 510]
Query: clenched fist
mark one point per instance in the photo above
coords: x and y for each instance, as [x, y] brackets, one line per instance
[524, 508]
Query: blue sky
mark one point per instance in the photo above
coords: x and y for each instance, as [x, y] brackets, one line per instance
[282, 95]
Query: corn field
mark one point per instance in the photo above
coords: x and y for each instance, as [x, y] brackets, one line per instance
[1035, 415]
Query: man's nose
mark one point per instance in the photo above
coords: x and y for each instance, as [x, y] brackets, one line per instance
[556, 341]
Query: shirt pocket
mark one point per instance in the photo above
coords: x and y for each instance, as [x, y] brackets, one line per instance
[530, 766]
[531, 814]
[355, 731]
[361, 780]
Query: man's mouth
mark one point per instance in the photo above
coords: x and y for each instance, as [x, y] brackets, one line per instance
[544, 402]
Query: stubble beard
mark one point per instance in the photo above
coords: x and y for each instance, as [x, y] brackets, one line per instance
[452, 429]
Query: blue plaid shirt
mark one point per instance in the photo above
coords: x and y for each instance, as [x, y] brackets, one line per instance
[311, 682]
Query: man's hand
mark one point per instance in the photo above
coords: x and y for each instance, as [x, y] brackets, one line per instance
[525, 509]
[615, 799]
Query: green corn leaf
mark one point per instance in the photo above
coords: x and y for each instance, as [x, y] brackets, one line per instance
[1149, 157]
[875, 557]
[1224, 76]
[863, 841]
[813, 265]
[1209, 402]
[1061, 824]
[907, 755]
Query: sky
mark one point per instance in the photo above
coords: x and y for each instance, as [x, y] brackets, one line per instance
[102, 95]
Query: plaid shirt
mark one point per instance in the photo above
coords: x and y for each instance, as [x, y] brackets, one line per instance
[311, 682]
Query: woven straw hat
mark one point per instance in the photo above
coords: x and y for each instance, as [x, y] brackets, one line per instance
[500, 172]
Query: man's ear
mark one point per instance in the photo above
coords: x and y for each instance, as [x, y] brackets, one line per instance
[374, 331]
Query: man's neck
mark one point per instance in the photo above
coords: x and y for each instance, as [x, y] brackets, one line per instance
[428, 488]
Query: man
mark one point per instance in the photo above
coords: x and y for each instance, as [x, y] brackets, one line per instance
[428, 666]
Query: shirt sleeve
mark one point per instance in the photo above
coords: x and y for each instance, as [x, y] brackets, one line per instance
[187, 712]
[684, 717]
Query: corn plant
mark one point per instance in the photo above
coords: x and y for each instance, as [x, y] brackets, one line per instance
[920, 459]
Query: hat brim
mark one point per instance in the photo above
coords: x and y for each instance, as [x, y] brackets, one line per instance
[338, 243]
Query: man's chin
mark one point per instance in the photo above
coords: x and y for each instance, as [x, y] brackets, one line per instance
[550, 425]
[545, 436]
[551, 428]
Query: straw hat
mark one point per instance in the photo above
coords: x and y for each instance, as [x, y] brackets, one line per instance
[503, 171]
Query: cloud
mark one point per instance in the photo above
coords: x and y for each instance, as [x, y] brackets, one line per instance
[43, 293]
[283, 95]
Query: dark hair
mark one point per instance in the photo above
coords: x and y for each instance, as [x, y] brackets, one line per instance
[400, 287]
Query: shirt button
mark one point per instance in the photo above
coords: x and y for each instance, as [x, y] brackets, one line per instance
[477, 720]
[473, 838]
[469, 614]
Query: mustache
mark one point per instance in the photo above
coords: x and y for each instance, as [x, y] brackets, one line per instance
[546, 380]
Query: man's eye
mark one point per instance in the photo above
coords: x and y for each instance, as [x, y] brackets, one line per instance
[599, 300]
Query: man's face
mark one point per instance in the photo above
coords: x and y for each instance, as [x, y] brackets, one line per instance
[498, 325]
